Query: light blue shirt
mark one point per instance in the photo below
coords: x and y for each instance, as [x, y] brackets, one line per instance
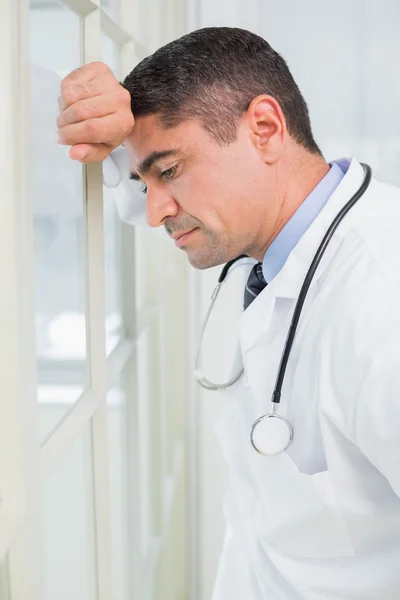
[278, 252]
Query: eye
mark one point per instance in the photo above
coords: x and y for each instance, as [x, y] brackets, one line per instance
[169, 173]
[134, 177]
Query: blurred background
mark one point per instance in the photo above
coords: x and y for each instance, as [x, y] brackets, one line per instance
[121, 475]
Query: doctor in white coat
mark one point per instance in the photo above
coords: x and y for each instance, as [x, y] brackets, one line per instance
[222, 141]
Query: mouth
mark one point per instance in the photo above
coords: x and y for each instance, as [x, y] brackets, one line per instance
[180, 238]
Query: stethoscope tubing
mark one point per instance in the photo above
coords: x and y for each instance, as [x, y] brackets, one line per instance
[276, 395]
[201, 379]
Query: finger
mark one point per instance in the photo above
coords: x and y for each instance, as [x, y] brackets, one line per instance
[81, 90]
[92, 131]
[89, 153]
[99, 106]
[86, 73]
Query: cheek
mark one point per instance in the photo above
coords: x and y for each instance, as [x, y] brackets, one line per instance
[223, 195]
[197, 195]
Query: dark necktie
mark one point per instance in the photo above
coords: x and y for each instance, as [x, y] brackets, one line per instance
[255, 284]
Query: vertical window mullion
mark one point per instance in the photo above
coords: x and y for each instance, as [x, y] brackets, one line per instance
[25, 562]
[96, 338]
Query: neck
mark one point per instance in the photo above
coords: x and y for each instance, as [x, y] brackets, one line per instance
[295, 178]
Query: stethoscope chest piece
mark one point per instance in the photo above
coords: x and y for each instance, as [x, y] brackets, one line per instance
[271, 434]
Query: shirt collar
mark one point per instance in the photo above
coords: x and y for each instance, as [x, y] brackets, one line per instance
[278, 252]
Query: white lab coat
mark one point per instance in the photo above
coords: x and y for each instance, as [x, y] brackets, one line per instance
[322, 522]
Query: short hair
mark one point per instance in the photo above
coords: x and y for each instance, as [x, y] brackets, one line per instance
[212, 75]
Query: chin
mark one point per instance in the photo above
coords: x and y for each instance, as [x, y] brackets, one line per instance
[200, 263]
[205, 260]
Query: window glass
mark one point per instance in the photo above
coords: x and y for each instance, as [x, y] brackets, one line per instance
[4, 581]
[112, 8]
[68, 525]
[58, 202]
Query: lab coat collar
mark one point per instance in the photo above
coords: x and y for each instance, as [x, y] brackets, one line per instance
[288, 281]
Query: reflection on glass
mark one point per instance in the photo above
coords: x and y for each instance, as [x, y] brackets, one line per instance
[68, 526]
[57, 197]
[117, 423]
[112, 235]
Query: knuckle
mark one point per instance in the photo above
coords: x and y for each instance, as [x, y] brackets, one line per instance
[60, 121]
[86, 89]
[71, 77]
[98, 67]
[69, 95]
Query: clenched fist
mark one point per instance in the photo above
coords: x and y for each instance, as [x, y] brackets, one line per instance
[95, 113]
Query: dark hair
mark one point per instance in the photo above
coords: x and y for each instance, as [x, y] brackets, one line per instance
[213, 74]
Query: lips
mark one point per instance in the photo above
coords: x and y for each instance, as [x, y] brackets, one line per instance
[180, 238]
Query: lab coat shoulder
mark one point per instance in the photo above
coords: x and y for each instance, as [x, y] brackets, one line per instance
[359, 302]
[377, 226]
[369, 304]
[362, 283]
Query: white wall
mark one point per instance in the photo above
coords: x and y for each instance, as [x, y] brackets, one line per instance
[343, 55]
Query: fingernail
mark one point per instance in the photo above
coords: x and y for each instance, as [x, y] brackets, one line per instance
[58, 137]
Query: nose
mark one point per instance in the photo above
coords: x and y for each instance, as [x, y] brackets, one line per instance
[159, 206]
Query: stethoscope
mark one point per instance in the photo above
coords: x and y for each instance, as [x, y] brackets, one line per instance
[272, 434]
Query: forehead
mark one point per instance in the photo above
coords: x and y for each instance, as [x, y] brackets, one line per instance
[148, 136]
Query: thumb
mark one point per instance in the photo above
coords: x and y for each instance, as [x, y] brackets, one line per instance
[89, 153]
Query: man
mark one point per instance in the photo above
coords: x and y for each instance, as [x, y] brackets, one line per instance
[223, 145]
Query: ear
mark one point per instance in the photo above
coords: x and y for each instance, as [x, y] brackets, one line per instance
[267, 127]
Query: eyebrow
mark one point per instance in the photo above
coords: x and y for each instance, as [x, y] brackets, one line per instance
[145, 165]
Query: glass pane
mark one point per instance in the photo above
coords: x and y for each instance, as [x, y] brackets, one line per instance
[112, 7]
[148, 432]
[68, 526]
[4, 581]
[112, 236]
[58, 201]
[117, 427]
